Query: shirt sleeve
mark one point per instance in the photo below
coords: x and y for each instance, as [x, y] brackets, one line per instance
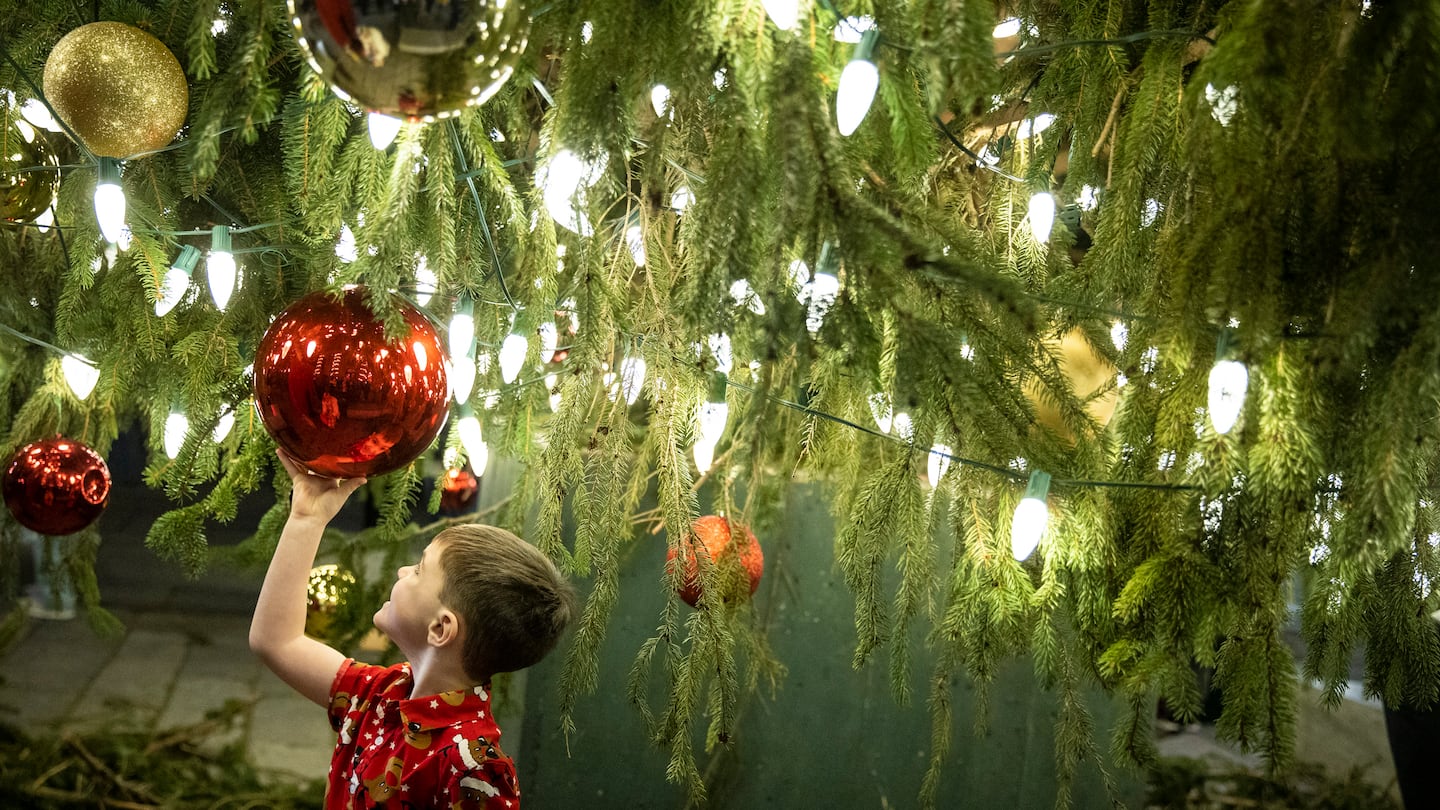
[488, 784]
[349, 688]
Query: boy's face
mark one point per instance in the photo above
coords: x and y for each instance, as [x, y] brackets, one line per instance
[414, 601]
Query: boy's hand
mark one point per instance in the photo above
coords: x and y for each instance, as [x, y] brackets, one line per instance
[315, 497]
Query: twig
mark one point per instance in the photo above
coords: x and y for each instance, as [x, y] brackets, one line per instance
[137, 789]
[1109, 120]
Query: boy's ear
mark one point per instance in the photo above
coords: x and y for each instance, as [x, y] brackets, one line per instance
[444, 628]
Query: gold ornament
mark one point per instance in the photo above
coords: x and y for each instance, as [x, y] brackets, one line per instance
[118, 88]
[412, 60]
[329, 587]
[29, 172]
[1087, 372]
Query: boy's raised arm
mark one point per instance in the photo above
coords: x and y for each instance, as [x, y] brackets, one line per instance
[277, 631]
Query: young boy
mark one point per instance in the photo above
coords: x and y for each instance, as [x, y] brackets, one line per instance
[419, 734]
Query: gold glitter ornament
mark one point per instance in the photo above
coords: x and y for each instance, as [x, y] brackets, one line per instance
[412, 60]
[118, 88]
[29, 172]
[330, 586]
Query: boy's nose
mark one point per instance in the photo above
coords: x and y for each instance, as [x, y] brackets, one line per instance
[400, 573]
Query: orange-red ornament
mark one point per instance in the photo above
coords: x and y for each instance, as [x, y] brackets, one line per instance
[56, 486]
[458, 490]
[339, 397]
[737, 561]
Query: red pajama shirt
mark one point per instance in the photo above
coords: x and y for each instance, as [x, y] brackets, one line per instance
[395, 751]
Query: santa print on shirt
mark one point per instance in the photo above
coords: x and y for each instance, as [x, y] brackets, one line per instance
[394, 751]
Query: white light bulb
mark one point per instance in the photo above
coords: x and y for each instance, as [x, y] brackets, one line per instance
[176, 426]
[903, 426]
[711, 417]
[1228, 381]
[784, 13]
[80, 374]
[659, 99]
[220, 273]
[632, 378]
[425, 282]
[880, 409]
[1089, 198]
[1028, 526]
[1042, 216]
[1007, 28]
[720, 348]
[681, 199]
[461, 333]
[820, 293]
[110, 210]
[938, 463]
[46, 219]
[383, 129]
[224, 425]
[858, 83]
[172, 290]
[1119, 335]
[562, 178]
[745, 296]
[635, 240]
[1034, 126]
[549, 341]
[474, 444]
[462, 379]
[38, 114]
[512, 357]
[851, 29]
[345, 247]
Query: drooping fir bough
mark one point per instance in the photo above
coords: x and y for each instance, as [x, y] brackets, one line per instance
[1243, 175]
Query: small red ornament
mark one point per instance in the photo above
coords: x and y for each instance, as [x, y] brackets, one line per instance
[458, 490]
[339, 397]
[56, 486]
[713, 532]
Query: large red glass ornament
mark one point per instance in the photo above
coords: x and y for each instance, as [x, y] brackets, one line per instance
[56, 486]
[738, 561]
[339, 397]
[458, 490]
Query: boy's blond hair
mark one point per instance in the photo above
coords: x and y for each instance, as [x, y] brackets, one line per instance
[512, 601]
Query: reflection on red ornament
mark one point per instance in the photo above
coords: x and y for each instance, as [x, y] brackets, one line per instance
[458, 490]
[341, 398]
[56, 486]
[737, 562]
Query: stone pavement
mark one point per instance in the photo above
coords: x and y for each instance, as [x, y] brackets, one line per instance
[167, 671]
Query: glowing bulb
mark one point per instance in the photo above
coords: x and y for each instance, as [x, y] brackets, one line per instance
[345, 247]
[1228, 381]
[1119, 335]
[712, 417]
[462, 379]
[224, 425]
[80, 374]
[820, 293]
[475, 448]
[632, 378]
[176, 426]
[549, 341]
[720, 348]
[635, 240]
[880, 409]
[745, 296]
[1042, 216]
[220, 272]
[512, 357]
[659, 99]
[383, 129]
[1007, 28]
[903, 426]
[38, 114]
[177, 279]
[784, 13]
[109, 200]
[681, 199]
[425, 282]
[852, 29]
[938, 463]
[858, 83]
[1031, 516]
[462, 329]
[562, 178]
[1034, 126]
